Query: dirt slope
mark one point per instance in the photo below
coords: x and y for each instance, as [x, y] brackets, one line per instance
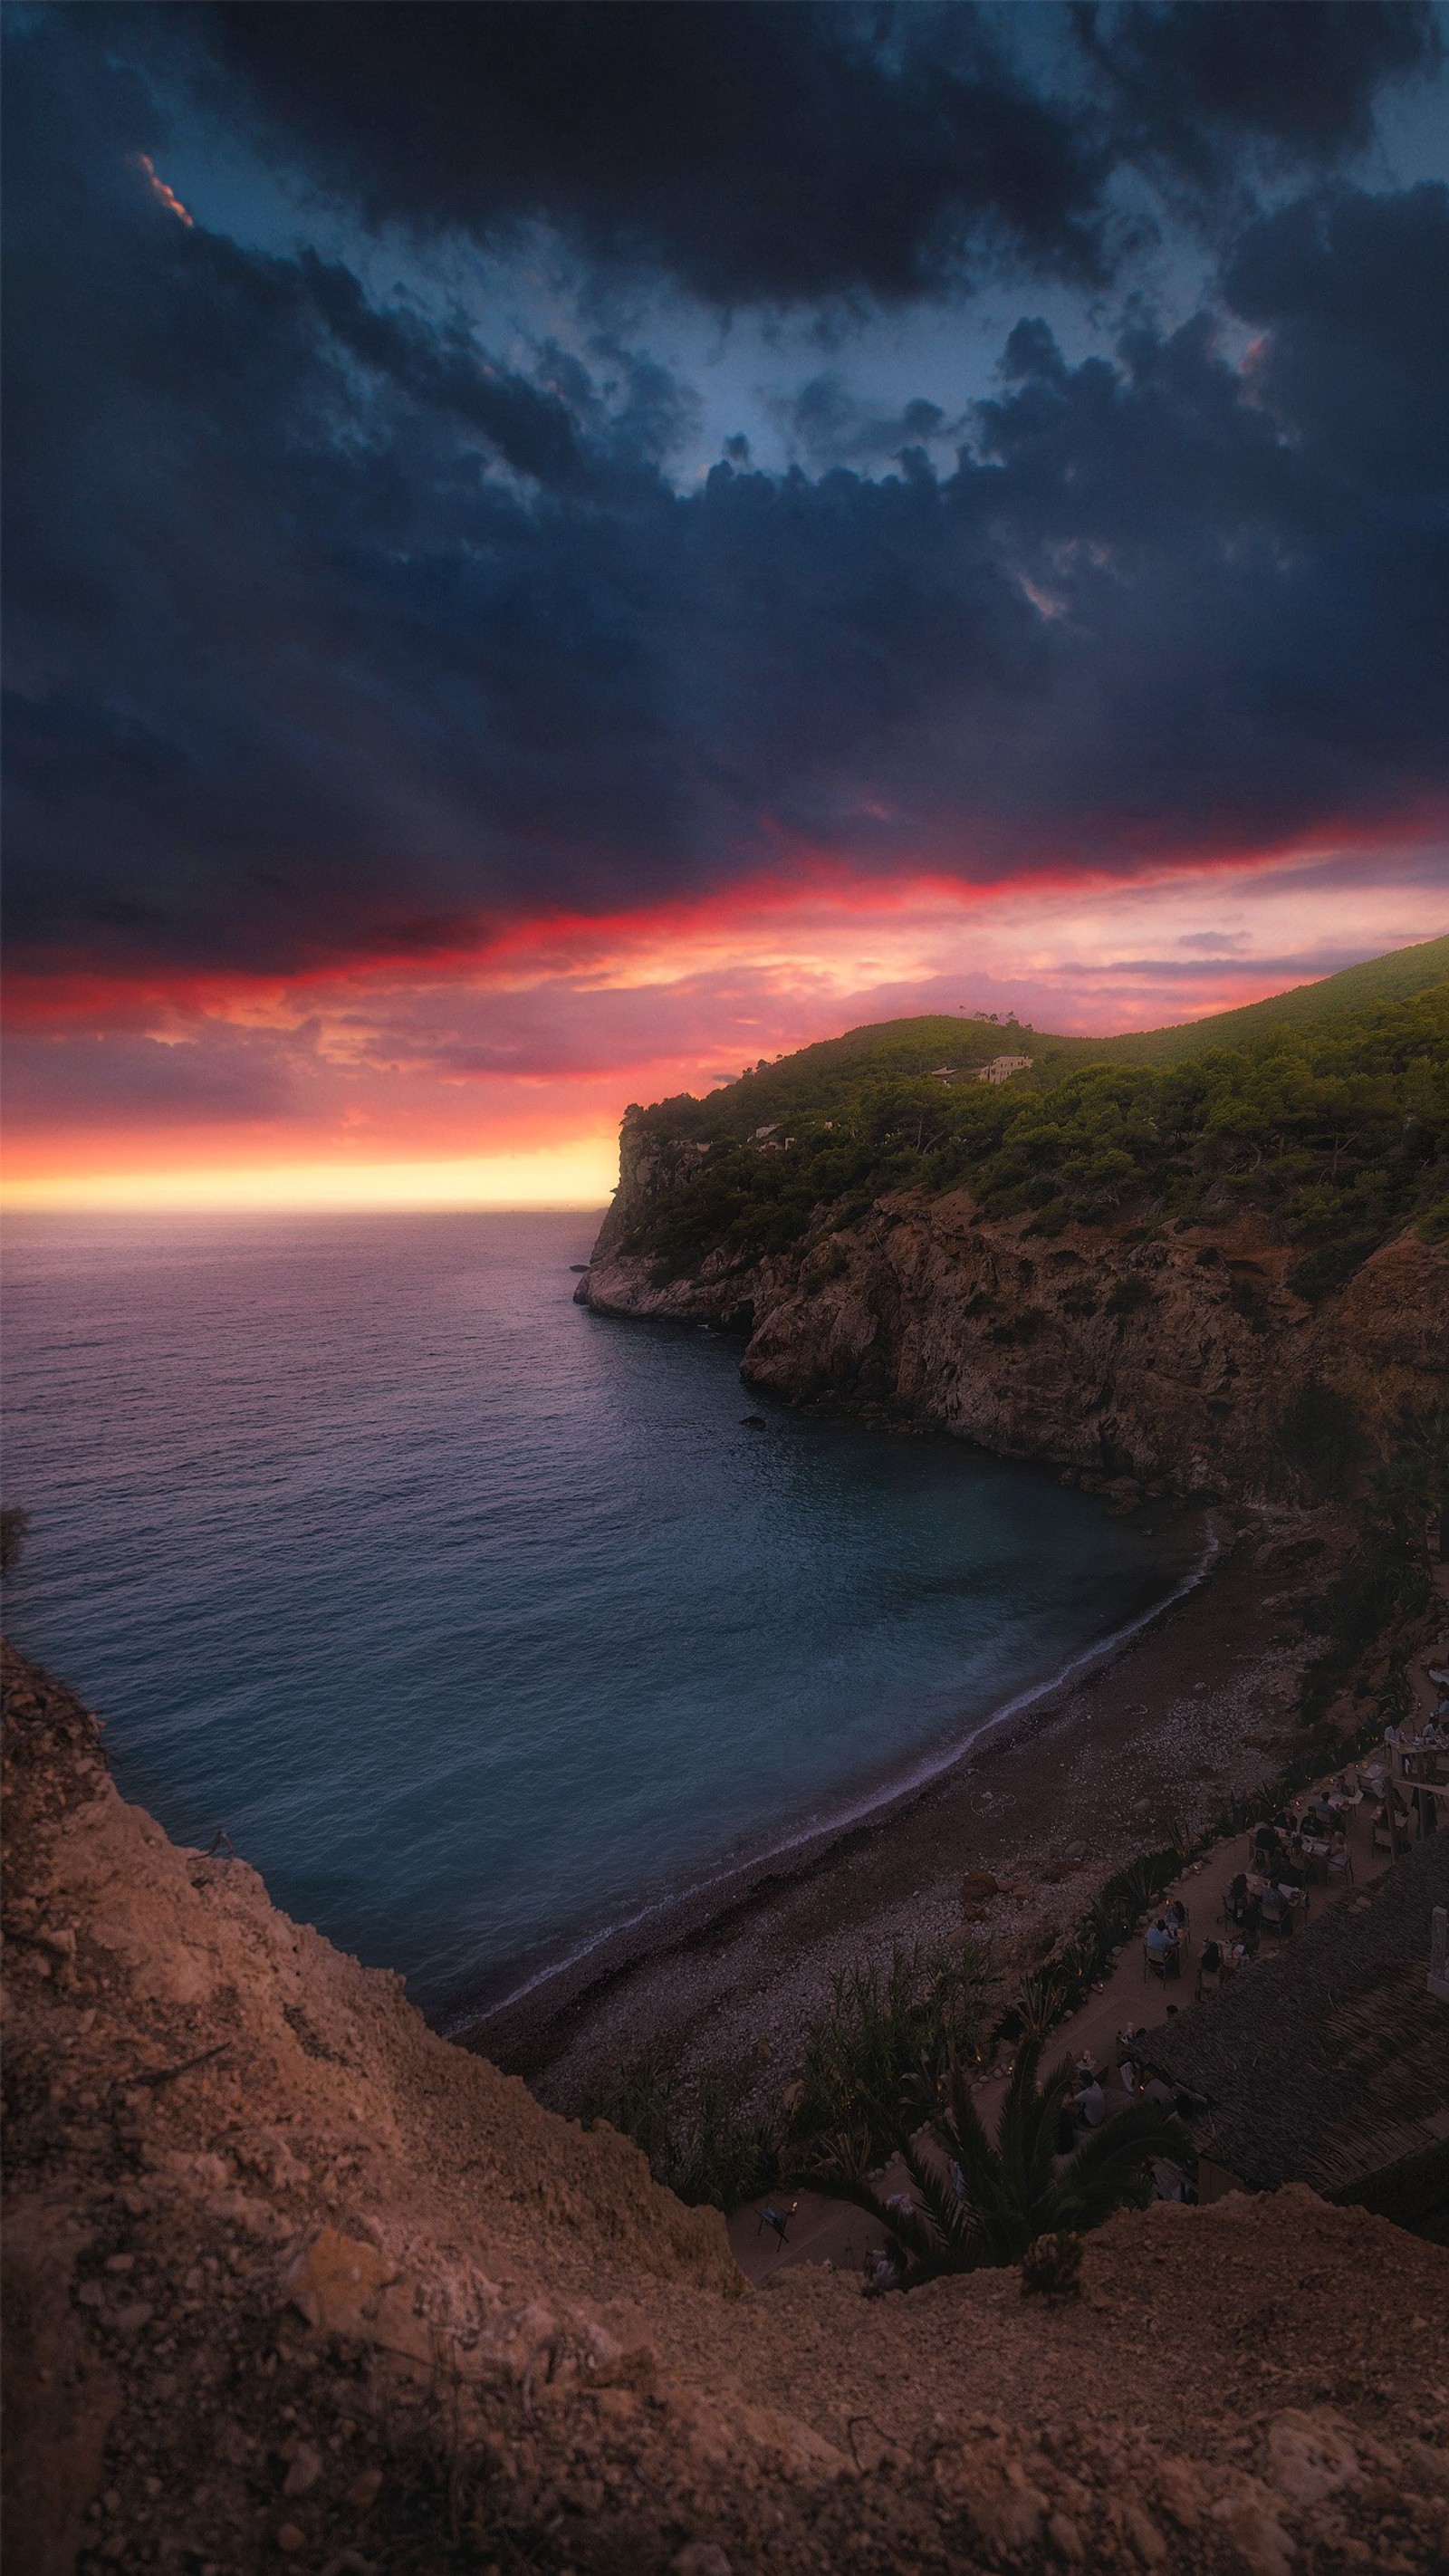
[294, 2283]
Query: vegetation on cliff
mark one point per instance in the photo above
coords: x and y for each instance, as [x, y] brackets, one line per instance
[976, 2204]
[1331, 1121]
[875, 2056]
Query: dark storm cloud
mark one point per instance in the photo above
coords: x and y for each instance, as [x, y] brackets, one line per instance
[756, 152]
[1190, 81]
[334, 635]
[783, 154]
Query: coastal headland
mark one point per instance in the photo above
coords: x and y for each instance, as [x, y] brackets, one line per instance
[1201, 1267]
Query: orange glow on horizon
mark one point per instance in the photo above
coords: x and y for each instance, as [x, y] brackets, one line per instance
[496, 1076]
[813, 883]
[570, 1176]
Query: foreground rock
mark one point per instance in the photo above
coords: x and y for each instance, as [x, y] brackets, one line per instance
[293, 2283]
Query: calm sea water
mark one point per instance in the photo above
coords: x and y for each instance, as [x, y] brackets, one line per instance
[476, 1620]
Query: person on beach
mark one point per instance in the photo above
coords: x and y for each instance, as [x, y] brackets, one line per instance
[1090, 2103]
[1162, 1946]
[1129, 2062]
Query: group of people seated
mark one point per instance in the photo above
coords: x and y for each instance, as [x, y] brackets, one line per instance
[1085, 2108]
[1282, 1847]
[1224, 1958]
[1166, 1939]
[1137, 2078]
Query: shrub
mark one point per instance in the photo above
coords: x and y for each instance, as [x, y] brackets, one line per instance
[1331, 1267]
[1011, 2193]
[1320, 1435]
[1051, 2267]
[878, 2052]
[719, 2152]
[1130, 1295]
[710, 2149]
[637, 2103]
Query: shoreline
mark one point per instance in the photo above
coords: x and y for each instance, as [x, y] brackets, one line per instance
[715, 1898]
[735, 1967]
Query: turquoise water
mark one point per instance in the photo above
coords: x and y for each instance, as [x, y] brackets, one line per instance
[479, 1621]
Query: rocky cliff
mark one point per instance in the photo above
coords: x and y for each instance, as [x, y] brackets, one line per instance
[1164, 1356]
[291, 2282]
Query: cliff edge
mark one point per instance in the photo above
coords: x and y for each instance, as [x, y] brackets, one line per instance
[1162, 1357]
[293, 2282]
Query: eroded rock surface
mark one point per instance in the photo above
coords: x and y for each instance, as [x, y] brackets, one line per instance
[1167, 1361]
[291, 2282]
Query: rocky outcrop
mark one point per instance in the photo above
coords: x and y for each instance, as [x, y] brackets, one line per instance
[293, 2283]
[651, 1169]
[1160, 1357]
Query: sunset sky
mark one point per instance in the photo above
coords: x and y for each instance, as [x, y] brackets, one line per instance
[554, 552]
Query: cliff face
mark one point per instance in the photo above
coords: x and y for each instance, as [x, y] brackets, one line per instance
[291, 2282]
[650, 1170]
[1170, 1360]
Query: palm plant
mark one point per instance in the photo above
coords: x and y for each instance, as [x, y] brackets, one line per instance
[878, 2054]
[1012, 2192]
[713, 2151]
[1041, 1999]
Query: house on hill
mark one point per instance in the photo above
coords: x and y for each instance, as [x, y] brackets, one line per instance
[1328, 2063]
[1002, 1067]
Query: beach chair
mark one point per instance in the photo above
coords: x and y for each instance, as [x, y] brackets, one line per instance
[779, 2219]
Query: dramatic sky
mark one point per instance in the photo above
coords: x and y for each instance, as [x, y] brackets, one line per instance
[555, 551]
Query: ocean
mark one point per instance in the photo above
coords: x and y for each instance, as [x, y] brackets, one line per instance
[480, 1623]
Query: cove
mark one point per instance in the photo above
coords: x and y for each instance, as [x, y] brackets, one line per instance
[479, 1623]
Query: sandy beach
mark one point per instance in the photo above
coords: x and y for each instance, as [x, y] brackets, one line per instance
[1201, 1701]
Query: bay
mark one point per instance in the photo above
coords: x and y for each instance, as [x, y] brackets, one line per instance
[479, 1622]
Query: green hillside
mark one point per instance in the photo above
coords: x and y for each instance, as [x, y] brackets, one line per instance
[1325, 1108]
[1398, 977]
